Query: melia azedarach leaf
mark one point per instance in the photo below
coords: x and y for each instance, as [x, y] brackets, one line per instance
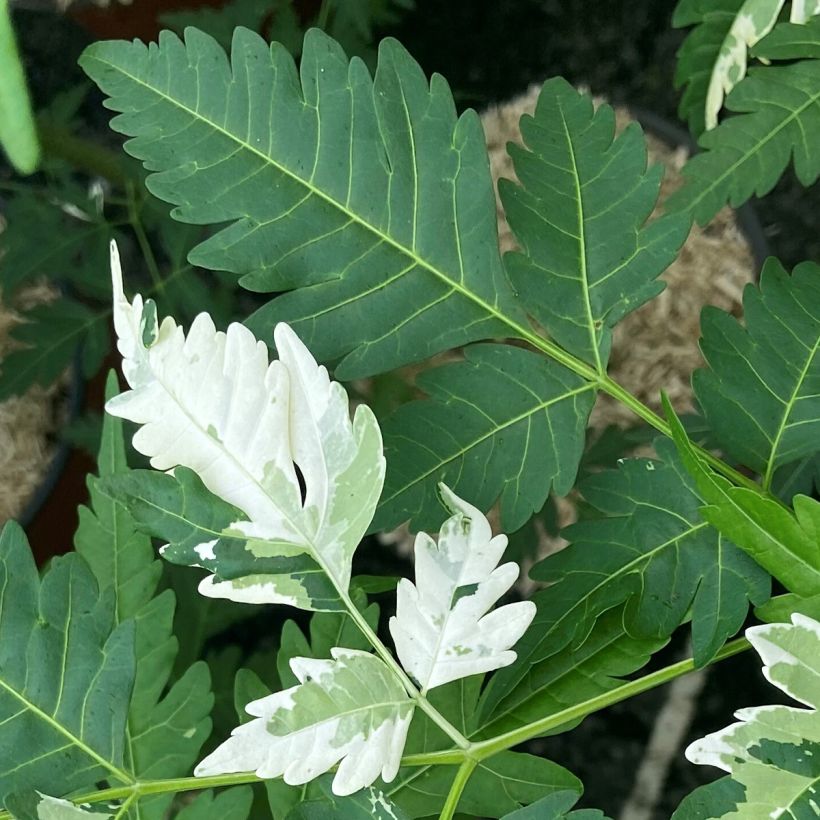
[761, 391]
[653, 551]
[351, 709]
[772, 752]
[783, 542]
[210, 402]
[66, 673]
[165, 729]
[496, 426]
[712, 59]
[579, 216]
[368, 199]
[745, 155]
[441, 629]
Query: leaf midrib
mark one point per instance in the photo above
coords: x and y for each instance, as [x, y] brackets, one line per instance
[318, 192]
[781, 428]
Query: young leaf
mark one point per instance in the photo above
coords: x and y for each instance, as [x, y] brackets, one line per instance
[587, 259]
[761, 392]
[166, 726]
[441, 629]
[66, 672]
[373, 186]
[655, 552]
[717, 49]
[785, 544]
[503, 422]
[746, 155]
[351, 710]
[212, 403]
[772, 750]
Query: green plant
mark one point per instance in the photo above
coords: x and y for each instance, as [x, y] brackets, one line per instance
[363, 205]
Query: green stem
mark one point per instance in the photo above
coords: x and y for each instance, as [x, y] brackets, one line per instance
[466, 758]
[142, 239]
[460, 781]
[384, 653]
[487, 748]
[324, 14]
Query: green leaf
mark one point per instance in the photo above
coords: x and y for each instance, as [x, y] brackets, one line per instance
[350, 710]
[32, 805]
[230, 804]
[365, 804]
[746, 155]
[18, 132]
[50, 337]
[44, 239]
[653, 551]
[712, 59]
[587, 260]
[66, 672]
[551, 675]
[383, 231]
[166, 726]
[504, 422]
[790, 41]
[710, 801]
[761, 391]
[773, 750]
[555, 807]
[500, 784]
[785, 544]
[197, 526]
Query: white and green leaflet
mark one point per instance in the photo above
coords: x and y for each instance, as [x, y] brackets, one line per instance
[774, 751]
[211, 402]
[754, 20]
[34, 805]
[351, 710]
[441, 628]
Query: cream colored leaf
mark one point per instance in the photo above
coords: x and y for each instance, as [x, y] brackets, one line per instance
[351, 710]
[441, 629]
[212, 402]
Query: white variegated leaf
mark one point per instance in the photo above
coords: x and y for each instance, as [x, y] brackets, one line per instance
[774, 751]
[802, 10]
[33, 805]
[441, 628]
[754, 20]
[351, 710]
[212, 402]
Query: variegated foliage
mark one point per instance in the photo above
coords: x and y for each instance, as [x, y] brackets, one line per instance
[234, 429]
[772, 752]
[211, 402]
[441, 629]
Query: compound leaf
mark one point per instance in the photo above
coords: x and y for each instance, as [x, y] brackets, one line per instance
[351, 710]
[761, 392]
[368, 199]
[66, 673]
[712, 59]
[653, 551]
[746, 154]
[773, 750]
[503, 422]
